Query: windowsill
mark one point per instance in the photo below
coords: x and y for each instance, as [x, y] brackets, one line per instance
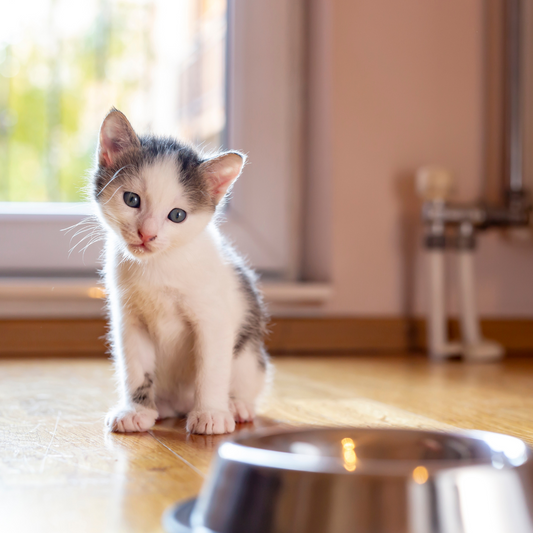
[84, 298]
[44, 210]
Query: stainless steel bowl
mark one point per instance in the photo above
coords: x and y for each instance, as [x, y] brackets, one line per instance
[364, 481]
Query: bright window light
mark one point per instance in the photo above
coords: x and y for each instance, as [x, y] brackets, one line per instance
[65, 63]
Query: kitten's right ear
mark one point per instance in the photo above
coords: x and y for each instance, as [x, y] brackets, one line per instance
[116, 136]
[221, 172]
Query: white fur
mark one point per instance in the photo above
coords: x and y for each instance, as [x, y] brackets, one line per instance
[176, 308]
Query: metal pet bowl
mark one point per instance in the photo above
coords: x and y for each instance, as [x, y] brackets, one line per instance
[363, 481]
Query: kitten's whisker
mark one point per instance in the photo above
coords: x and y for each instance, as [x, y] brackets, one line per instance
[92, 232]
[73, 247]
[91, 219]
[96, 239]
[82, 231]
[118, 188]
[70, 228]
[96, 232]
[114, 176]
[79, 242]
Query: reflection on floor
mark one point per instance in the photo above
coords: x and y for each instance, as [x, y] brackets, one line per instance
[60, 472]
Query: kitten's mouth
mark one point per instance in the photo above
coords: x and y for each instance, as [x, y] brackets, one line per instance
[143, 247]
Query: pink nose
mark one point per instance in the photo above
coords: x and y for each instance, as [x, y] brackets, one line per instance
[146, 237]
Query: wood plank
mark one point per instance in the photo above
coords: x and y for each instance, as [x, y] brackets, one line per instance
[312, 402]
[197, 450]
[493, 397]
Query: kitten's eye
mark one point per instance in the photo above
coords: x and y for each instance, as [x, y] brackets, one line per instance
[177, 215]
[132, 199]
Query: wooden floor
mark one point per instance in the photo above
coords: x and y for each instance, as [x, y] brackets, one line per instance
[60, 472]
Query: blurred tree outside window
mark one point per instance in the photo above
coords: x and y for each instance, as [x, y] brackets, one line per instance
[65, 63]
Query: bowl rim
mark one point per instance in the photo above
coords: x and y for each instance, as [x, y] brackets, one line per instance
[236, 450]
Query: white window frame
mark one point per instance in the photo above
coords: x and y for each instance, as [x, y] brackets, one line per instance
[265, 110]
[265, 58]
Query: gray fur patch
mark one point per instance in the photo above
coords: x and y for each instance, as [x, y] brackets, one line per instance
[254, 327]
[153, 149]
[188, 163]
[144, 395]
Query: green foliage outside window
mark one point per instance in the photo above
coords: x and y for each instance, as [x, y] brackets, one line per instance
[65, 63]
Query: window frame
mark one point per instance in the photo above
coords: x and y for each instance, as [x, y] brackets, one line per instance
[266, 124]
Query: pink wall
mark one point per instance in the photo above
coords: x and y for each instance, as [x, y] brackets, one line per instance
[396, 85]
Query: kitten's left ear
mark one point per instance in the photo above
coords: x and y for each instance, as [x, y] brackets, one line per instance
[221, 171]
[116, 136]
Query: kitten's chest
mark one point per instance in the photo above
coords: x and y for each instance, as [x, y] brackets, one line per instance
[163, 311]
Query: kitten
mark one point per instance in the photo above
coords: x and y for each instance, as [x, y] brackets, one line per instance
[187, 321]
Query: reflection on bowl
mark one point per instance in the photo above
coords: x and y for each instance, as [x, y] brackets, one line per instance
[364, 481]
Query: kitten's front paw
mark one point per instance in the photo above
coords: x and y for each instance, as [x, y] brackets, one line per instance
[131, 420]
[242, 411]
[210, 422]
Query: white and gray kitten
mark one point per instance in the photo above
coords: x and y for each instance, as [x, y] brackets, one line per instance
[187, 321]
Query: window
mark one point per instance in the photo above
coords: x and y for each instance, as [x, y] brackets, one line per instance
[64, 63]
[169, 66]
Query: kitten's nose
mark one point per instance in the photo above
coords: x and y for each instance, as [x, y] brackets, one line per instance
[146, 237]
[147, 230]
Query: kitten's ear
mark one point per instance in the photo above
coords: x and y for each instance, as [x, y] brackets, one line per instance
[221, 171]
[116, 136]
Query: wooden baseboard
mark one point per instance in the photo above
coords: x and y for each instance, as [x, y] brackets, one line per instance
[338, 334]
[385, 334]
[83, 337]
[86, 337]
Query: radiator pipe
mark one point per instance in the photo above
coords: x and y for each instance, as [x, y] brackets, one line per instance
[514, 105]
[455, 226]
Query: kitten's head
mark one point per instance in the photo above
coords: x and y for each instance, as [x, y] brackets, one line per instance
[156, 193]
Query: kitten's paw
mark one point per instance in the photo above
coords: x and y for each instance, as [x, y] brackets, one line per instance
[242, 411]
[131, 420]
[210, 422]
